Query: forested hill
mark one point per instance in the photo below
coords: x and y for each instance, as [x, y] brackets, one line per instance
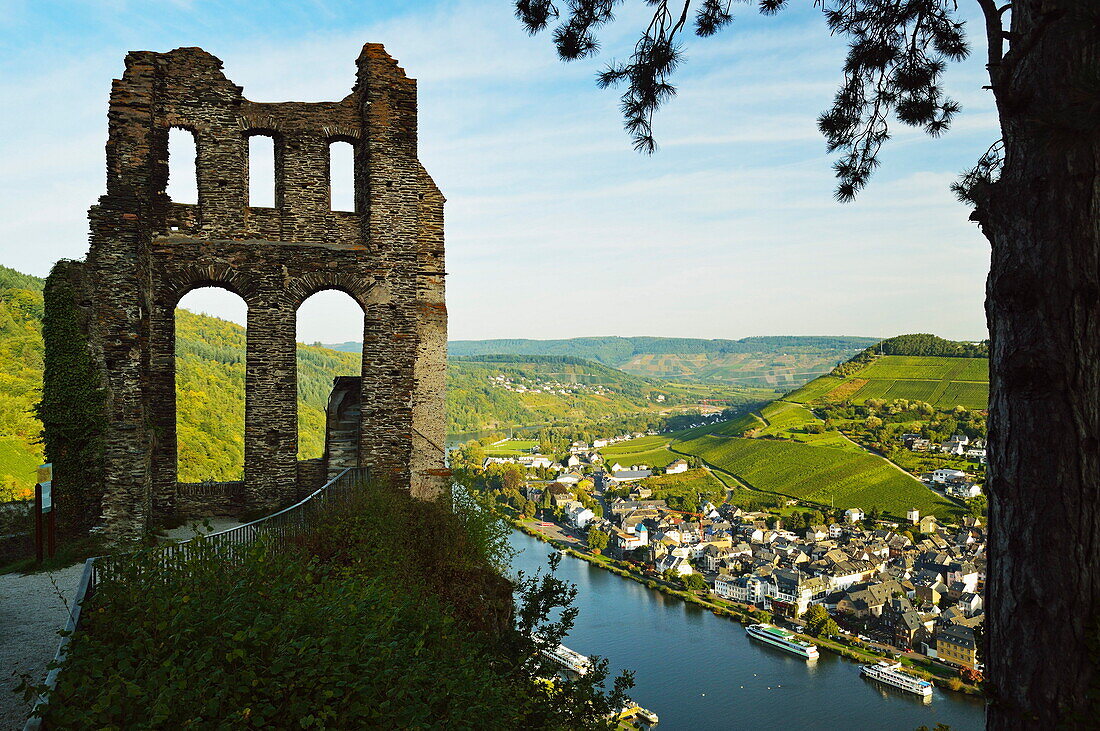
[20, 379]
[770, 362]
[491, 391]
[925, 344]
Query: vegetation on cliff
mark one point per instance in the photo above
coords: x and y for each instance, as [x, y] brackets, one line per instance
[327, 631]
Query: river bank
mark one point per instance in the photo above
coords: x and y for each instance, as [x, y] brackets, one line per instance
[742, 614]
[698, 670]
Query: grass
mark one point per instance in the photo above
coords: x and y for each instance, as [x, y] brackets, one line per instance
[814, 390]
[510, 448]
[821, 475]
[652, 451]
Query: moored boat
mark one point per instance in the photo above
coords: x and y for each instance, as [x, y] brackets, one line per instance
[637, 716]
[569, 659]
[891, 674]
[782, 639]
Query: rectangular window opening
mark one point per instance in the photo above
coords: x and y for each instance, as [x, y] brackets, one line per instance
[261, 171]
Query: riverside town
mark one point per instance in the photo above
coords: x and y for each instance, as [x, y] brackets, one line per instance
[909, 590]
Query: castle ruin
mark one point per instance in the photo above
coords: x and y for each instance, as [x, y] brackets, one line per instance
[147, 252]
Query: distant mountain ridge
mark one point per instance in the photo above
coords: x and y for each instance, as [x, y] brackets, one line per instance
[614, 350]
[776, 361]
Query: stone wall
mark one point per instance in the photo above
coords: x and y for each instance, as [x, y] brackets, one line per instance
[148, 251]
[208, 499]
[311, 477]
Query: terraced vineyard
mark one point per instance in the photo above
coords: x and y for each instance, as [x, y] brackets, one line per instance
[769, 370]
[824, 475]
[941, 381]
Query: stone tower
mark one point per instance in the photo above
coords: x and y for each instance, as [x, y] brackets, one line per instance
[148, 251]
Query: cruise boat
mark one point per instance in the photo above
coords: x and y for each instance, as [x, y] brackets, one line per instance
[782, 639]
[568, 659]
[892, 674]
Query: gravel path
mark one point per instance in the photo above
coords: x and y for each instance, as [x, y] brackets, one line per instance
[31, 613]
[203, 527]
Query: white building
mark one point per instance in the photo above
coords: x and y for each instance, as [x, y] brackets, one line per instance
[745, 589]
[539, 460]
[965, 491]
[853, 515]
[581, 516]
[677, 467]
[944, 474]
[628, 475]
[678, 564]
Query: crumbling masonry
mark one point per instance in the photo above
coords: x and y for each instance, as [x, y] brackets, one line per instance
[148, 251]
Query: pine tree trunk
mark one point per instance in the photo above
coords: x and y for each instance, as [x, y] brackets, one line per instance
[1043, 305]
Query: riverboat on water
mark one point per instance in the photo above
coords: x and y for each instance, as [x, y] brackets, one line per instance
[892, 674]
[636, 716]
[782, 639]
[569, 659]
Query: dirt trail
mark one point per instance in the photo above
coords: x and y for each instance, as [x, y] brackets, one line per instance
[32, 610]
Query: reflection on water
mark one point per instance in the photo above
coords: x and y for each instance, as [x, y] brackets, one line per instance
[700, 671]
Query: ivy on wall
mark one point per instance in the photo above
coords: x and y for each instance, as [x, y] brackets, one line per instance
[72, 409]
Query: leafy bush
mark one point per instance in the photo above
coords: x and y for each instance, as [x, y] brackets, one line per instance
[391, 614]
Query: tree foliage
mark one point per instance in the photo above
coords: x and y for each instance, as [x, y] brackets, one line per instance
[897, 53]
[597, 539]
[815, 618]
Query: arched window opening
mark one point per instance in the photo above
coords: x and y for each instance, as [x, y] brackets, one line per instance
[331, 322]
[182, 166]
[341, 176]
[210, 369]
[261, 171]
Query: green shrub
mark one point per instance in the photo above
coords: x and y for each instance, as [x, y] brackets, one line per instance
[361, 622]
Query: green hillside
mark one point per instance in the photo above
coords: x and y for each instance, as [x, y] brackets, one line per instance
[916, 383]
[826, 475]
[20, 380]
[492, 391]
[651, 451]
[779, 362]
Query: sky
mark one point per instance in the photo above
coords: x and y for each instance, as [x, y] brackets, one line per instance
[555, 226]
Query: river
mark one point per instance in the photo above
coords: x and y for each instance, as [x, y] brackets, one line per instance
[698, 671]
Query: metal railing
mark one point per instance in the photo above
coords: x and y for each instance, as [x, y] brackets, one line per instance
[228, 543]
